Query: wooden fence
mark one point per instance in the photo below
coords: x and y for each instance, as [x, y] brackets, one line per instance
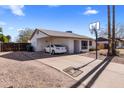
[13, 46]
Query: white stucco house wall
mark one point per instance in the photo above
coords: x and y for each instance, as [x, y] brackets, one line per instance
[120, 43]
[75, 43]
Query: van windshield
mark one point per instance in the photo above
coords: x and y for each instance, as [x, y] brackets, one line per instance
[59, 45]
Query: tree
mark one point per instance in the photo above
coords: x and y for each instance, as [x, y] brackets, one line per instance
[1, 29]
[119, 31]
[3, 38]
[24, 35]
[8, 37]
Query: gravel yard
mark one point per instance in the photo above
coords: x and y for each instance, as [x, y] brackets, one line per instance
[18, 70]
[117, 59]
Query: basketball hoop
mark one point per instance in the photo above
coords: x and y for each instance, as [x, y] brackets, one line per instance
[94, 27]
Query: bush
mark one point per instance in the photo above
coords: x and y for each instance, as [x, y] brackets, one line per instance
[104, 54]
[101, 46]
[29, 48]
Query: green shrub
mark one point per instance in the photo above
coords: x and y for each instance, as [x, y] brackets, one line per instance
[3, 38]
[30, 48]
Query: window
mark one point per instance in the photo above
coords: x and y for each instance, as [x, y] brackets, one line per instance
[83, 44]
[106, 46]
[59, 45]
[49, 46]
[90, 43]
[122, 43]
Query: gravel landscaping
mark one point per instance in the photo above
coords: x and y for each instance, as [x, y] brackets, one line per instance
[17, 71]
[102, 55]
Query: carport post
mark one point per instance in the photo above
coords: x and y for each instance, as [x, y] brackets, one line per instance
[50, 48]
[88, 47]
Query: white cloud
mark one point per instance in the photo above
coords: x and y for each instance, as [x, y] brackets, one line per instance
[2, 23]
[15, 9]
[11, 28]
[19, 29]
[90, 11]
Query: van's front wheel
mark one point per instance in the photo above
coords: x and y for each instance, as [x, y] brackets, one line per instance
[53, 52]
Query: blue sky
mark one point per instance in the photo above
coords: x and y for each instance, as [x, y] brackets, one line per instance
[62, 18]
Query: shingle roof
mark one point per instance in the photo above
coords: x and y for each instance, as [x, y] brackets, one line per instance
[62, 34]
[102, 39]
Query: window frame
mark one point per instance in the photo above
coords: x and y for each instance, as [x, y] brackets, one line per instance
[84, 44]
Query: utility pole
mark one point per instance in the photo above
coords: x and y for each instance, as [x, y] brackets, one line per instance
[109, 30]
[113, 31]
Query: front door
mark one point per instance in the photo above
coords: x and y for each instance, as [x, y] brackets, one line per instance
[76, 46]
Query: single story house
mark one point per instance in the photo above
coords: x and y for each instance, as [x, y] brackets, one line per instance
[75, 43]
[120, 43]
[103, 43]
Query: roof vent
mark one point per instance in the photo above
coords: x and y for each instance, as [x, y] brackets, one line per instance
[69, 31]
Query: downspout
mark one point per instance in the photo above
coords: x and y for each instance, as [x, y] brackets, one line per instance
[50, 43]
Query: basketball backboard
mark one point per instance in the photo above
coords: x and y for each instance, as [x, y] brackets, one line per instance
[95, 25]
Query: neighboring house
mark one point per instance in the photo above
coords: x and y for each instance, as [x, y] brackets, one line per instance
[120, 43]
[75, 43]
[103, 43]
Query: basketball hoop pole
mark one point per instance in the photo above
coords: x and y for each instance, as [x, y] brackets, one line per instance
[96, 42]
[96, 34]
[94, 27]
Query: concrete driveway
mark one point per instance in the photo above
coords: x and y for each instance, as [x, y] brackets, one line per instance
[95, 73]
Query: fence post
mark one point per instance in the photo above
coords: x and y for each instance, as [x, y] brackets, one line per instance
[0, 47]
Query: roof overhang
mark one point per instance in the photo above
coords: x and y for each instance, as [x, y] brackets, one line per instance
[58, 36]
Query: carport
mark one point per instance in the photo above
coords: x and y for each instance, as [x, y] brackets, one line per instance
[54, 40]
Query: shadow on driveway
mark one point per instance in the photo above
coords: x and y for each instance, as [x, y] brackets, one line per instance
[104, 64]
[84, 65]
[26, 56]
